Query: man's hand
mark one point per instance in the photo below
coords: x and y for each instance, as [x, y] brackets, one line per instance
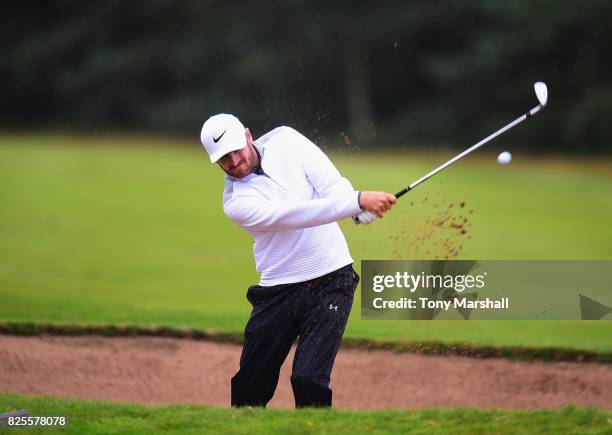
[376, 202]
[375, 205]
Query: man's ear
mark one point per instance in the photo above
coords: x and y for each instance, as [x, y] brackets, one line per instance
[248, 135]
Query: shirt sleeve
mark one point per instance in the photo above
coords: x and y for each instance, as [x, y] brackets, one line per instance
[257, 214]
[320, 171]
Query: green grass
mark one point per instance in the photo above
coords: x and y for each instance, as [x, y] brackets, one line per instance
[130, 231]
[89, 417]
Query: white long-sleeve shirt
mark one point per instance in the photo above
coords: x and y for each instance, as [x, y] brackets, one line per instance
[292, 210]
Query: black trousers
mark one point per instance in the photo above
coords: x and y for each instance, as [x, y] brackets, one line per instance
[317, 311]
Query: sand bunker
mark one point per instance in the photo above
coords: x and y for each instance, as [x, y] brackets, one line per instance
[166, 370]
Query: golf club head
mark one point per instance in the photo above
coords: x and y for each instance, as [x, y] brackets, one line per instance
[541, 92]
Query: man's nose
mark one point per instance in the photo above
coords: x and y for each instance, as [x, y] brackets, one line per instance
[234, 158]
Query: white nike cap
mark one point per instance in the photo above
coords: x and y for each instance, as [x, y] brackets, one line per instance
[222, 134]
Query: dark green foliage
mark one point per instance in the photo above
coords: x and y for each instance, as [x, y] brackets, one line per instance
[358, 73]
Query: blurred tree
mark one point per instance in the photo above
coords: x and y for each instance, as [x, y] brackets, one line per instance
[519, 42]
[358, 72]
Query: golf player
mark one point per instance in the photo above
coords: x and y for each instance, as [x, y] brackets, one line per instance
[284, 191]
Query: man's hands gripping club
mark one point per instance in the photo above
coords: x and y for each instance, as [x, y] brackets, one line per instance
[374, 205]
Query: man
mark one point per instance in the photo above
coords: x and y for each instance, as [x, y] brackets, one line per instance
[288, 195]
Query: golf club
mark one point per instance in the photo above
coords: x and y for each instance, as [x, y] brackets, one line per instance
[541, 92]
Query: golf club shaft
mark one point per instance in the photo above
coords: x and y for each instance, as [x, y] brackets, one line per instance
[469, 150]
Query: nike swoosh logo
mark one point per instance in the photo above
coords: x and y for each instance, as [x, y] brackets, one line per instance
[217, 139]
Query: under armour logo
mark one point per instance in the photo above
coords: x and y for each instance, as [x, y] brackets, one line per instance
[333, 307]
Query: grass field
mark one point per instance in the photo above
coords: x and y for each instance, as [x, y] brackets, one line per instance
[131, 231]
[90, 417]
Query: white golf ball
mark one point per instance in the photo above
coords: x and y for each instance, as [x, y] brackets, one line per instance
[504, 158]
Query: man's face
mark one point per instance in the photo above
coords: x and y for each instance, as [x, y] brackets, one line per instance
[240, 163]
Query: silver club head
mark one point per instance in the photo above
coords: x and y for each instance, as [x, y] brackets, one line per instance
[541, 92]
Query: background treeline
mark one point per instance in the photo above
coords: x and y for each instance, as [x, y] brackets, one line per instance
[364, 73]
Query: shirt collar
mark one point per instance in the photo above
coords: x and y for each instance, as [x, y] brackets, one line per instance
[257, 169]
